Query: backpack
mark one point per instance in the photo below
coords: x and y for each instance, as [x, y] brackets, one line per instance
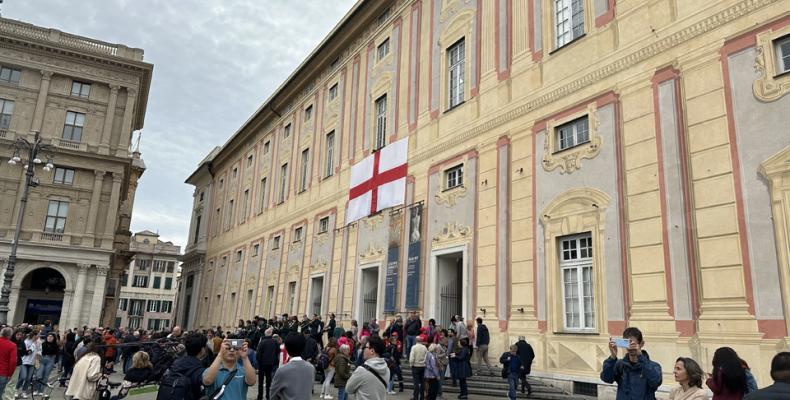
[174, 385]
[323, 360]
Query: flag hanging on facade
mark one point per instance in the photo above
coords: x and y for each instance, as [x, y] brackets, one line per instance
[378, 181]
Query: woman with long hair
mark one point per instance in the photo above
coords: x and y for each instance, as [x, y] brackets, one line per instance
[689, 375]
[141, 368]
[49, 352]
[728, 379]
[32, 353]
[87, 371]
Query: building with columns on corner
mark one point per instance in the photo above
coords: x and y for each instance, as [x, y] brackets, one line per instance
[149, 285]
[574, 168]
[85, 97]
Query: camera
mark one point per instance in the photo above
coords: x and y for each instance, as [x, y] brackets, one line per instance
[236, 343]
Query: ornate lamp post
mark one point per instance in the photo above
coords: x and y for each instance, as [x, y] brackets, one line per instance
[21, 146]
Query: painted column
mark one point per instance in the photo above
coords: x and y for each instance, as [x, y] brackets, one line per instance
[65, 313]
[126, 129]
[41, 101]
[112, 210]
[79, 295]
[90, 229]
[98, 295]
[503, 232]
[104, 146]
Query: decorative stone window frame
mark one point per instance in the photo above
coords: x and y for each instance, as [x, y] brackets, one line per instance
[770, 84]
[548, 16]
[387, 58]
[569, 160]
[574, 212]
[381, 88]
[447, 170]
[450, 196]
[460, 28]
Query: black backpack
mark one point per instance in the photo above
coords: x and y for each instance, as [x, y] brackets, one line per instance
[175, 385]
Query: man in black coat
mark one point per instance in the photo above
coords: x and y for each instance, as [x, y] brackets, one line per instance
[780, 373]
[526, 355]
[267, 356]
[310, 351]
[330, 326]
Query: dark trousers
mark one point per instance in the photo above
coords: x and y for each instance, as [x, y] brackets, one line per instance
[266, 373]
[433, 388]
[418, 375]
[464, 390]
[525, 386]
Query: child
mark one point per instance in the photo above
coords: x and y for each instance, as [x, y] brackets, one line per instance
[511, 370]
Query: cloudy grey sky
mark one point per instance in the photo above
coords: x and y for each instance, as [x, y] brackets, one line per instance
[214, 62]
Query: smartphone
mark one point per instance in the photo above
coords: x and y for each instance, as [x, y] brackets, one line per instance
[624, 343]
[236, 343]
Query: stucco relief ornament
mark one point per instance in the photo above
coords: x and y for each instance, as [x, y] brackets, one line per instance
[321, 238]
[295, 246]
[372, 222]
[768, 87]
[451, 7]
[371, 253]
[569, 160]
[450, 197]
[453, 231]
[320, 264]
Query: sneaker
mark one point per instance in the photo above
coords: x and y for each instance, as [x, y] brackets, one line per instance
[391, 392]
[24, 395]
[328, 397]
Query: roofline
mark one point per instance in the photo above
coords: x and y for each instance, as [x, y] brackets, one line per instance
[268, 105]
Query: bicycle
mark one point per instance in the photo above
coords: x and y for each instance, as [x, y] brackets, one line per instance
[48, 385]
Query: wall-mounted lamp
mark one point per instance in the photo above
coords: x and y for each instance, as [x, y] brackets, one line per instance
[546, 216]
[520, 170]
[484, 182]
[595, 205]
[483, 310]
[520, 309]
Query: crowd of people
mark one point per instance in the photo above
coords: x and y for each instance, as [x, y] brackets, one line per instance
[281, 354]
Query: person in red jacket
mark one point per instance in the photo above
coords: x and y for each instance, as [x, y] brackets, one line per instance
[7, 357]
[109, 353]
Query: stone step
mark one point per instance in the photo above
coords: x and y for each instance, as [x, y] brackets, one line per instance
[450, 392]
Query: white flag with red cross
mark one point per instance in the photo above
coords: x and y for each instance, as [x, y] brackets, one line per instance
[378, 181]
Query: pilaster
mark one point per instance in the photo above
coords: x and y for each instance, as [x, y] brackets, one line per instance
[104, 146]
[112, 210]
[126, 128]
[98, 294]
[41, 101]
[90, 229]
[79, 296]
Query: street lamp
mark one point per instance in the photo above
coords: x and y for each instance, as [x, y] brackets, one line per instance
[21, 146]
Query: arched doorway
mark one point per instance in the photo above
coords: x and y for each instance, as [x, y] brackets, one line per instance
[41, 295]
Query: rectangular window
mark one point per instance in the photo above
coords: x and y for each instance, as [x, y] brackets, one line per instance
[229, 220]
[304, 171]
[330, 154]
[171, 266]
[287, 131]
[283, 183]
[782, 49]
[140, 281]
[454, 177]
[276, 243]
[262, 196]
[136, 307]
[245, 203]
[249, 161]
[238, 255]
[168, 283]
[10, 75]
[153, 305]
[167, 306]
[269, 300]
[63, 176]
[323, 225]
[291, 296]
[333, 92]
[80, 89]
[455, 74]
[159, 266]
[157, 282]
[235, 172]
[569, 20]
[56, 216]
[72, 128]
[142, 264]
[266, 147]
[298, 234]
[381, 122]
[6, 111]
[383, 49]
[577, 281]
[221, 184]
[190, 281]
[572, 133]
[308, 113]
[124, 279]
[123, 304]
[255, 250]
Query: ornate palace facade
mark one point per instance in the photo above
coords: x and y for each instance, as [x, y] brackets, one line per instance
[575, 167]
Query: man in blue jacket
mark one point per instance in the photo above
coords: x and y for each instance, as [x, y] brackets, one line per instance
[637, 377]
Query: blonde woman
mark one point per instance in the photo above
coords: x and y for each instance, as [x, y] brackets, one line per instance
[141, 368]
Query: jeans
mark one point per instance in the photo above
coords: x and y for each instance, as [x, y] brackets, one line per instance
[42, 375]
[8, 393]
[265, 373]
[418, 376]
[341, 393]
[410, 340]
[329, 373]
[439, 381]
[512, 382]
[25, 376]
[3, 382]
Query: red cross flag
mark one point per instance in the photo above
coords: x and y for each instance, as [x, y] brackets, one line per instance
[378, 181]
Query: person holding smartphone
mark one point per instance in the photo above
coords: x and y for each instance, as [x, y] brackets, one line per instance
[232, 358]
[636, 375]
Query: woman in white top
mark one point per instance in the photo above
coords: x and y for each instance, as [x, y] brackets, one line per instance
[87, 372]
[689, 375]
[33, 348]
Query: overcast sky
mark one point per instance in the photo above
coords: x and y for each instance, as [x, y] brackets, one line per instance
[214, 62]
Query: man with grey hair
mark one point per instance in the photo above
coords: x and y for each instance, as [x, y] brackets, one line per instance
[526, 355]
[267, 357]
[7, 357]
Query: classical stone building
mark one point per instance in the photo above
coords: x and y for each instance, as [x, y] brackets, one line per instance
[84, 97]
[148, 287]
[574, 168]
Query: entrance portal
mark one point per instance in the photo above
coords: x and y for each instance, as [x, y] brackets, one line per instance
[369, 292]
[316, 294]
[41, 293]
[449, 286]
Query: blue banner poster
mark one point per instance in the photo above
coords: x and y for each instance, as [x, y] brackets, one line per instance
[391, 281]
[413, 260]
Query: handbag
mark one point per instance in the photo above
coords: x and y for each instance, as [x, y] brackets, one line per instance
[220, 390]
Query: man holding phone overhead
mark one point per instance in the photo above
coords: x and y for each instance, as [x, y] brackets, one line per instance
[637, 377]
